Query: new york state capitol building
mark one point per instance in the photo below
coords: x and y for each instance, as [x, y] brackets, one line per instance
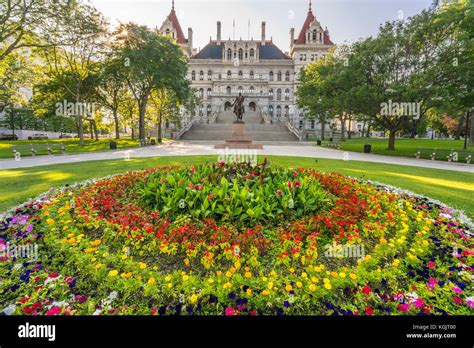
[258, 69]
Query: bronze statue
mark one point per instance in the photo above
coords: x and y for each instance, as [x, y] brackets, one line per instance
[239, 107]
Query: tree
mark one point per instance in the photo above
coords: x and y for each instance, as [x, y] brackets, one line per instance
[153, 63]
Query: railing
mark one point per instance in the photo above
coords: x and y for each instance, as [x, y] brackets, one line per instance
[265, 116]
[213, 117]
[296, 131]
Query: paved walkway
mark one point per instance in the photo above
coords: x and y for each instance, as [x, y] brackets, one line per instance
[176, 148]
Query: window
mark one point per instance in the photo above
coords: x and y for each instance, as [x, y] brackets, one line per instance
[320, 36]
[229, 75]
[167, 31]
[209, 75]
[278, 111]
[279, 76]
[229, 54]
[301, 57]
[201, 93]
[252, 90]
[309, 37]
[301, 124]
[271, 75]
[209, 92]
[209, 109]
[241, 74]
[251, 75]
[270, 94]
[252, 53]
[287, 111]
[201, 111]
[304, 57]
[220, 76]
[201, 75]
[314, 35]
[241, 54]
[312, 124]
[270, 110]
[287, 76]
[278, 94]
[193, 75]
[228, 90]
[240, 89]
[287, 94]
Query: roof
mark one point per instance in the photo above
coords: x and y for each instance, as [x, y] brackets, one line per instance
[179, 32]
[310, 18]
[214, 51]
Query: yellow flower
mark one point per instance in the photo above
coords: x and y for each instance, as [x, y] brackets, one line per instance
[168, 278]
[342, 275]
[186, 262]
[327, 286]
[151, 281]
[155, 268]
[142, 265]
[249, 292]
[248, 274]
[304, 275]
[299, 285]
[219, 273]
[70, 235]
[105, 254]
[210, 280]
[314, 279]
[50, 221]
[194, 298]
[185, 277]
[228, 274]
[89, 250]
[95, 243]
[288, 288]
[334, 274]
[227, 285]
[326, 280]
[46, 213]
[303, 259]
[270, 285]
[98, 266]
[353, 276]
[265, 292]
[65, 228]
[113, 273]
[273, 273]
[247, 269]
[317, 269]
[237, 264]
[292, 270]
[396, 262]
[312, 287]
[232, 269]
[170, 285]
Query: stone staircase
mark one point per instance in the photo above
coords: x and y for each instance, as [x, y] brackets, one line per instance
[255, 128]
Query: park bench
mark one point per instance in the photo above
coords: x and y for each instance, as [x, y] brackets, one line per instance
[449, 155]
[35, 149]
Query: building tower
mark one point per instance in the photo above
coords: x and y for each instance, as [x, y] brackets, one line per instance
[172, 27]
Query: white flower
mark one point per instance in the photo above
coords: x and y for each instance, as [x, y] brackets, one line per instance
[10, 309]
[97, 312]
[17, 266]
[412, 296]
[113, 295]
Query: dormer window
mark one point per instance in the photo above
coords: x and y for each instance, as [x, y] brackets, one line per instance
[314, 35]
[229, 54]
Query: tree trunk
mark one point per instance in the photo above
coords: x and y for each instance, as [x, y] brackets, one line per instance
[391, 140]
[80, 124]
[142, 104]
[459, 128]
[343, 129]
[466, 131]
[367, 134]
[116, 120]
[96, 132]
[159, 136]
[349, 129]
[363, 128]
[471, 133]
[323, 128]
[91, 129]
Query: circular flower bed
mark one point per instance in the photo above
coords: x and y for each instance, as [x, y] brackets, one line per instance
[235, 240]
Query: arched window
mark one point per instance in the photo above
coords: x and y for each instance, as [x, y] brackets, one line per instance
[193, 75]
[241, 74]
[287, 94]
[287, 111]
[279, 76]
[201, 111]
[201, 75]
[278, 111]
[201, 93]
[320, 36]
[271, 76]
[229, 74]
[209, 75]
[278, 94]
[209, 92]
[270, 94]
[252, 90]
[287, 76]
[251, 75]
[241, 54]
[228, 90]
[167, 31]
[309, 37]
[301, 124]
[314, 35]
[252, 53]
[208, 109]
[229, 54]
[270, 110]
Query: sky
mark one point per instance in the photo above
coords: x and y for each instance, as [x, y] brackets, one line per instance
[347, 20]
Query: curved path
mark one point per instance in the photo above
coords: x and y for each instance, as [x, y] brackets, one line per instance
[177, 148]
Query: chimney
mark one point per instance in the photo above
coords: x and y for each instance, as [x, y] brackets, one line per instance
[190, 38]
[263, 33]
[218, 33]
[292, 37]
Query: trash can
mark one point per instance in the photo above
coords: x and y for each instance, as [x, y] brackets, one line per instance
[330, 139]
[153, 141]
[113, 145]
[318, 142]
[367, 148]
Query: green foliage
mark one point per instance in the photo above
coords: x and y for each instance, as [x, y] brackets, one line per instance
[238, 193]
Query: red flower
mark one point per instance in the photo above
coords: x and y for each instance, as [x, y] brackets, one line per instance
[366, 290]
[369, 310]
[296, 184]
[457, 300]
[431, 264]
[279, 193]
[289, 184]
[53, 275]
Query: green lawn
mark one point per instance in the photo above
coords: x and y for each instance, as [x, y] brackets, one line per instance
[403, 147]
[453, 188]
[72, 145]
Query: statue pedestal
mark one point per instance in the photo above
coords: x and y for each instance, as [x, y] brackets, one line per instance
[238, 140]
